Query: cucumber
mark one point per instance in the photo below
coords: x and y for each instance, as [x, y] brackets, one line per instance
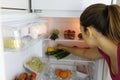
[53, 52]
[49, 53]
[59, 52]
[62, 55]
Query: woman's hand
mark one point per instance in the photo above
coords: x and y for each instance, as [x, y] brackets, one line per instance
[60, 46]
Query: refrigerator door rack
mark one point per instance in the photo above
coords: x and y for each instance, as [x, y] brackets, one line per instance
[18, 35]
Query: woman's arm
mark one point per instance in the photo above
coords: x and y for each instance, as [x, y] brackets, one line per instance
[91, 53]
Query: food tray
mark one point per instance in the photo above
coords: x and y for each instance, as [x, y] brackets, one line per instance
[82, 71]
[51, 74]
[36, 64]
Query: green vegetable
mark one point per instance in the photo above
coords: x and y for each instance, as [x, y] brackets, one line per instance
[54, 36]
[35, 64]
[62, 55]
[56, 31]
[49, 53]
[59, 53]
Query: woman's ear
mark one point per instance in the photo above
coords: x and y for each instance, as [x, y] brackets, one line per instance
[89, 31]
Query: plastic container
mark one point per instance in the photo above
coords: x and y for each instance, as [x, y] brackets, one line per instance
[64, 68]
[37, 65]
[19, 34]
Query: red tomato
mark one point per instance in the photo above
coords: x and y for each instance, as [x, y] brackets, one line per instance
[69, 31]
[32, 78]
[73, 31]
[23, 76]
[33, 74]
[28, 78]
[65, 32]
[66, 36]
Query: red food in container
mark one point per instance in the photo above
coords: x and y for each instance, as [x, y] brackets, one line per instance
[69, 34]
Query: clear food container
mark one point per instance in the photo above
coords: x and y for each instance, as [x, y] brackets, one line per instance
[37, 65]
[61, 71]
[69, 70]
[19, 34]
[12, 38]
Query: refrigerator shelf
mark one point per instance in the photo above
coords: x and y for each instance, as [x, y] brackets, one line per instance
[70, 58]
[71, 43]
[61, 37]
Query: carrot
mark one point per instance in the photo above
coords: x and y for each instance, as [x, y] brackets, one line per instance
[63, 75]
[57, 71]
[69, 73]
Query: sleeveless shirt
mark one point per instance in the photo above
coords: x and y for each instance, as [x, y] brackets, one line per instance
[107, 58]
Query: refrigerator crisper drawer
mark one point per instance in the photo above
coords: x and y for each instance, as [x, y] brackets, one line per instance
[69, 70]
[18, 34]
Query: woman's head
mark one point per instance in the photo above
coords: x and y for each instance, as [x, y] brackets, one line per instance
[105, 19]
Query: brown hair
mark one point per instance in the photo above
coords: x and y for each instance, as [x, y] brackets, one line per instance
[104, 18]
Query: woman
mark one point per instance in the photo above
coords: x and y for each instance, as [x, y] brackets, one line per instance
[100, 26]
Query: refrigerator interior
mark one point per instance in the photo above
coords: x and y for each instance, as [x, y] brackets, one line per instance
[14, 60]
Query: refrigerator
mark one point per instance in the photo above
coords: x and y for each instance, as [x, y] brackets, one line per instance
[27, 35]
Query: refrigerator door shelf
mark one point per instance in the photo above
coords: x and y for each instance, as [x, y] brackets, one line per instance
[26, 42]
[20, 34]
[37, 65]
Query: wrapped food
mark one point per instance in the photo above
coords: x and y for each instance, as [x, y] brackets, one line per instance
[34, 64]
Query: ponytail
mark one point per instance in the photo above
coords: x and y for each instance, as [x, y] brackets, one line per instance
[105, 19]
[114, 23]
